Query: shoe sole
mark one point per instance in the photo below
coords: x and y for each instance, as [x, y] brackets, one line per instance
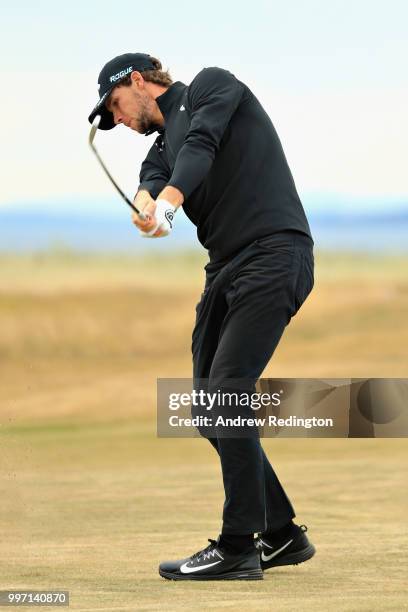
[291, 559]
[255, 574]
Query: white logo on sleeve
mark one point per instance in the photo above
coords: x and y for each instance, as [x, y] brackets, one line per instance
[182, 107]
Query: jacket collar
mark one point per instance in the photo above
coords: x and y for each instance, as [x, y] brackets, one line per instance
[169, 98]
[166, 102]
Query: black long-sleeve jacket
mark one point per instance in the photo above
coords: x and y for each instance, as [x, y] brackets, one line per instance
[220, 149]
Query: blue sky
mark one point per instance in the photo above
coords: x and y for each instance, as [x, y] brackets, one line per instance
[332, 75]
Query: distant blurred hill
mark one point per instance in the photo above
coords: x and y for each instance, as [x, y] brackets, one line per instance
[105, 226]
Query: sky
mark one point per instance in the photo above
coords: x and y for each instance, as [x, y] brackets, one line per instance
[332, 76]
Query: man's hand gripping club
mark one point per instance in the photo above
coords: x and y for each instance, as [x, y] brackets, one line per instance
[159, 213]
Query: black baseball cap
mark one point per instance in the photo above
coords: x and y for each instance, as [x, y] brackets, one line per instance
[111, 74]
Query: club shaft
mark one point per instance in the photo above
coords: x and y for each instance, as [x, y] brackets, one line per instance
[112, 180]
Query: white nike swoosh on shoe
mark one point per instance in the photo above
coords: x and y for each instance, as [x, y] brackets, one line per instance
[276, 552]
[185, 569]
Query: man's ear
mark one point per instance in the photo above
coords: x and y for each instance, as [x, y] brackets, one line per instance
[137, 79]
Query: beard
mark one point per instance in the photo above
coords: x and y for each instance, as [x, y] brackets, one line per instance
[145, 124]
[144, 117]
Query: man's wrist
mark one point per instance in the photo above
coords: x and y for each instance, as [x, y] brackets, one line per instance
[172, 195]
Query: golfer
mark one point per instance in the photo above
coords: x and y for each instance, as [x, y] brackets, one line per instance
[218, 155]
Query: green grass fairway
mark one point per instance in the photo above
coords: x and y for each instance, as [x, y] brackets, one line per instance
[92, 500]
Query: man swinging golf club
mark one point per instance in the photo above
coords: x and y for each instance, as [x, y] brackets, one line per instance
[218, 155]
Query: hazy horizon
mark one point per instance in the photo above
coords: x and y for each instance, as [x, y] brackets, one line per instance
[331, 76]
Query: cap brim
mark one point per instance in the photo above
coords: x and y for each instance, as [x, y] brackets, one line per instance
[107, 122]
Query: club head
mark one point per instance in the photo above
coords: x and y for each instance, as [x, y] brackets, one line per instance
[95, 125]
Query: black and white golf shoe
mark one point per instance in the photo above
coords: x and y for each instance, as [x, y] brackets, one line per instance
[293, 550]
[214, 563]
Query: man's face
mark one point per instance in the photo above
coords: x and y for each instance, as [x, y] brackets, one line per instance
[133, 106]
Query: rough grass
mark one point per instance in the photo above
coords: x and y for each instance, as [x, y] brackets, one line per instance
[92, 500]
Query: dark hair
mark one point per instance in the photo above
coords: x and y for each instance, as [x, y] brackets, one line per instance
[158, 76]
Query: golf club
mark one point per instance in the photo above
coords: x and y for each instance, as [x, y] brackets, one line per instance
[92, 133]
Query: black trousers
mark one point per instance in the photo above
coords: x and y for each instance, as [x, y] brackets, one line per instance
[243, 311]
